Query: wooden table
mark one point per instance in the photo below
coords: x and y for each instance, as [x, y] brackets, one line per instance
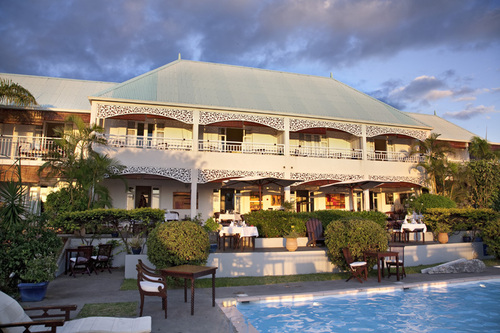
[380, 258]
[191, 272]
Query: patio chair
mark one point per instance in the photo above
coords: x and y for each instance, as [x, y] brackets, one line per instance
[391, 261]
[14, 318]
[150, 283]
[314, 232]
[82, 263]
[357, 268]
[103, 258]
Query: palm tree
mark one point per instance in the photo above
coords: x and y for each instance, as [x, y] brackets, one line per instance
[480, 149]
[435, 164]
[13, 93]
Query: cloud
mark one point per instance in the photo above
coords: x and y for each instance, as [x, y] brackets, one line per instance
[471, 112]
[103, 40]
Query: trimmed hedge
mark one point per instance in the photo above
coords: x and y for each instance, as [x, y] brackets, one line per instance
[427, 201]
[491, 237]
[458, 219]
[359, 235]
[178, 243]
[272, 223]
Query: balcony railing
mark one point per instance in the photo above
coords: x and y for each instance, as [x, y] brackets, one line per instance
[27, 147]
[326, 152]
[133, 141]
[379, 155]
[241, 147]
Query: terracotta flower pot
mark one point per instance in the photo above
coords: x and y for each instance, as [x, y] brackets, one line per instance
[291, 244]
[443, 237]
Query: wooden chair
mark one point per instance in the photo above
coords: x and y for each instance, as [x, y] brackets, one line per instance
[314, 232]
[391, 261]
[82, 263]
[14, 318]
[150, 283]
[103, 258]
[357, 268]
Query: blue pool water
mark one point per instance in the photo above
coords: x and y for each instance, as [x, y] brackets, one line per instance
[464, 307]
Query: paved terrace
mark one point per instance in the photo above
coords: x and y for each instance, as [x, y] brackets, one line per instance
[105, 287]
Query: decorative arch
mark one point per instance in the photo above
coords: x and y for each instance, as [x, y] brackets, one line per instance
[372, 131]
[209, 175]
[207, 117]
[180, 174]
[112, 110]
[300, 124]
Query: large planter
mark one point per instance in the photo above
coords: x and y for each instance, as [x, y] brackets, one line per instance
[136, 250]
[443, 237]
[32, 292]
[291, 244]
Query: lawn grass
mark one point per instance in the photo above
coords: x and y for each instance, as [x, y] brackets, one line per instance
[119, 309]
[131, 284]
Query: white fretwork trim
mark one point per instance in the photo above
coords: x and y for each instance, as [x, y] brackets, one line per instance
[107, 110]
[372, 131]
[180, 174]
[300, 124]
[206, 118]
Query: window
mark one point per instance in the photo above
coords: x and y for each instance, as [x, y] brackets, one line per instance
[389, 198]
[335, 201]
[182, 200]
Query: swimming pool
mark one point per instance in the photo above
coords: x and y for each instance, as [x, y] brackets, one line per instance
[462, 307]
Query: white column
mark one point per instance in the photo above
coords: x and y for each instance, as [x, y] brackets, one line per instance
[351, 199]
[286, 137]
[196, 129]
[194, 191]
[366, 199]
[363, 141]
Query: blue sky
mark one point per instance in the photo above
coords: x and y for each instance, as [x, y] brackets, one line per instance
[421, 56]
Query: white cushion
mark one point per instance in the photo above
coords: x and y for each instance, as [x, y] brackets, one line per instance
[100, 257]
[12, 312]
[358, 263]
[80, 260]
[150, 286]
[152, 277]
[393, 261]
[107, 324]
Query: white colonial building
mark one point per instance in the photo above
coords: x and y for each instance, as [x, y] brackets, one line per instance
[183, 129]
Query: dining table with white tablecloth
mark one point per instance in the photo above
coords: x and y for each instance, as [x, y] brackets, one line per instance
[230, 217]
[242, 232]
[406, 228]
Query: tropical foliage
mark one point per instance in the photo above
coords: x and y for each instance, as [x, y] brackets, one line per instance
[13, 93]
[425, 201]
[81, 169]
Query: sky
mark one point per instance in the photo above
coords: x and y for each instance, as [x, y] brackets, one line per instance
[420, 56]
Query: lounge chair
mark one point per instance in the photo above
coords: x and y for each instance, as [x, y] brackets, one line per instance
[314, 232]
[14, 319]
[357, 268]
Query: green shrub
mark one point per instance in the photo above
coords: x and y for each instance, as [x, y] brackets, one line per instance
[211, 225]
[357, 234]
[491, 237]
[426, 201]
[178, 243]
[458, 219]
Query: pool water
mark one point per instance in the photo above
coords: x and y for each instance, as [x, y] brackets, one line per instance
[463, 307]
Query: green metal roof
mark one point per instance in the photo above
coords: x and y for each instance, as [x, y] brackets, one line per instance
[57, 93]
[213, 85]
[448, 130]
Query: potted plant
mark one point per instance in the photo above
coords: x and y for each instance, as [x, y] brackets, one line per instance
[467, 238]
[212, 228]
[40, 270]
[136, 244]
[291, 239]
[442, 230]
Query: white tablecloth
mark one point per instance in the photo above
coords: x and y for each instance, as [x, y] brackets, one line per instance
[413, 226]
[242, 231]
[230, 217]
[171, 216]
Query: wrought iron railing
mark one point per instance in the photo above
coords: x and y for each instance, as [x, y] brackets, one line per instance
[326, 152]
[241, 147]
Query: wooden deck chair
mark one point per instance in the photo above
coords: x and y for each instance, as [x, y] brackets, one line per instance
[314, 232]
[14, 318]
[151, 284]
[357, 268]
[103, 258]
[391, 261]
[82, 263]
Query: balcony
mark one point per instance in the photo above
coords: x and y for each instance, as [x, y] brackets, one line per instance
[379, 155]
[326, 152]
[241, 147]
[27, 147]
[146, 142]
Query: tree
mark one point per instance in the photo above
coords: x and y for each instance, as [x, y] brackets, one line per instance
[480, 149]
[483, 184]
[13, 93]
[435, 164]
[79, 166]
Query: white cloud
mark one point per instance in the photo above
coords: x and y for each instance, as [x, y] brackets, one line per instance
[471, 112]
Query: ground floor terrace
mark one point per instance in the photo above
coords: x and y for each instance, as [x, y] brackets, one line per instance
[105, 288]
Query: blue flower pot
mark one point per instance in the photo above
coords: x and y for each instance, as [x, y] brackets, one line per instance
[32, 292]
[213, 248]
